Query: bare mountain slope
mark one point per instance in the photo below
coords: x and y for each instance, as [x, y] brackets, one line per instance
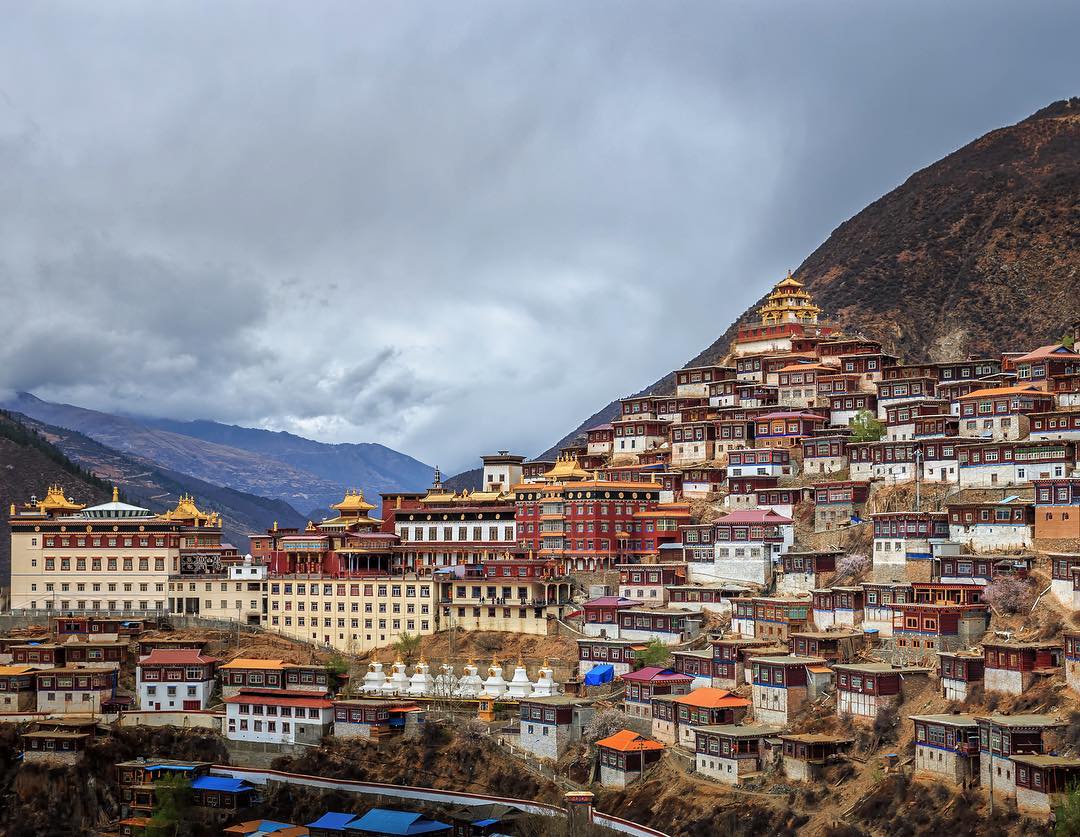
[977, 253]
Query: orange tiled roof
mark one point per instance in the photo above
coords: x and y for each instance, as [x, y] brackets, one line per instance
[1021, 389]
[1044, 352]
[710, 698]
[626, 741]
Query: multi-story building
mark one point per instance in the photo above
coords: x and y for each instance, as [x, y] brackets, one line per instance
[745, 544]
[1006, 525]
[958, 670]
[74, 691]
[728, 753]
[787, 317]
[276, 717]
[1057, 508]
[993, 464]
[353, 614]
[903, 537]
[1012, 666]
[269, 675]
[781, 685]
[825, 453]
[786, 429]
[1061, 425]
[838, 504]
[947, 746]
[513, 593]
[1047, 363]
[443, 528]
[754, 462]
[1001, 739]
[864, 690]
[588, 523]
[221, 588]
[1002, 413]
[110, 557]
[175, 680]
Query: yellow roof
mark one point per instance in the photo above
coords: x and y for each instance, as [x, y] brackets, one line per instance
[354, 502]
[56, 501]
[789, 282]
[7, 670]
[566, 468]
[187, 510]
[245, 662]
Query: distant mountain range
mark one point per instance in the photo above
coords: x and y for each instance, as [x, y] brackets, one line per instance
[977, 253]
[147, 485]
[305, 474]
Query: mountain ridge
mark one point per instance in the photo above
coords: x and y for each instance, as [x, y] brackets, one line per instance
[244, 469]
[977, 252]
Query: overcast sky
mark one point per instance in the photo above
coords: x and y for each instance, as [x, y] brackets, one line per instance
[452, 227]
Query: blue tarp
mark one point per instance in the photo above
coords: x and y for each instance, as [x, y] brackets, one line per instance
[598, 675]
[220, 783]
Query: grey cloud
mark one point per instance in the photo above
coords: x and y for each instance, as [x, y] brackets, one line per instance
[452, 227]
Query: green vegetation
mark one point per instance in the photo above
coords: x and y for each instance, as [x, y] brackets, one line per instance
[654, 654]
[1068, 341]
[865, 427]
[408, 646]
[13, 429]
[173, 796]
[1067, 814]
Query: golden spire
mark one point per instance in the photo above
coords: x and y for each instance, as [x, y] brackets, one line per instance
[275, 525]
[12, 509]
[115, 494]
[310, 527]
[789, 302]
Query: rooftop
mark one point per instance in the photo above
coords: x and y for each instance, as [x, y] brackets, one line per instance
[626, 741]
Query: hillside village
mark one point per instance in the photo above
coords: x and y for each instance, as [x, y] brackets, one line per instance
[816, 585]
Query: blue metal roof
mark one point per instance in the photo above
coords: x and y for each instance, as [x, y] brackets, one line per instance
[220, 783]
[383, 821]
[332, 820]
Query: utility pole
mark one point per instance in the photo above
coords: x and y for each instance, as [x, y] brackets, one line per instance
[918, 478]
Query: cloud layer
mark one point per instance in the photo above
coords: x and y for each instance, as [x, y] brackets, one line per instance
[457, 227]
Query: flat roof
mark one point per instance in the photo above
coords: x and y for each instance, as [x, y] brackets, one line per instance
[1021, 720]
[881, 668]
[958, 720]
[738, 731]
[789, 660]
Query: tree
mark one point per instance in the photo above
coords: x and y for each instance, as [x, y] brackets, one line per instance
[407, 646]
[653, 654]
[1067, 814]
[1068, 341]
[605, 722]
[865, 427]
[173, 796]
[1006, 594]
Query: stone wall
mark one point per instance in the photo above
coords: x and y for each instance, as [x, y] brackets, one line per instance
[545, 741]
[938, 761]
[1003, 680]
[613, 778]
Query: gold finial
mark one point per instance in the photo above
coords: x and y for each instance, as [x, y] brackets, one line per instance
[310, 527]
[115, 494]
[546, 663]
[12, 509]
[275, 525]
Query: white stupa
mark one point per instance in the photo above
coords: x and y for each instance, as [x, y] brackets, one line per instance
[374, 679]
[398, 684]
[520, 685]
[470, 684]
[545, 683]
[495, 685]
[421, 683]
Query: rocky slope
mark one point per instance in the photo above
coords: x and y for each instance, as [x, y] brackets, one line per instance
[29, 465]
[977, 253]
[33, 455]
[306, 474]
